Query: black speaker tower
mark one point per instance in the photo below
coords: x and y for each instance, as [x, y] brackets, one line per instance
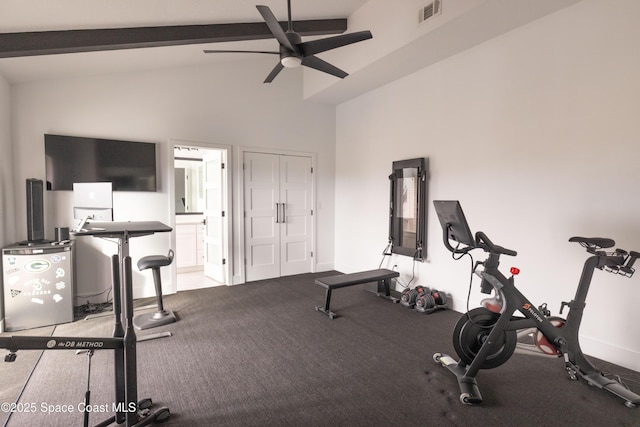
[35, 210]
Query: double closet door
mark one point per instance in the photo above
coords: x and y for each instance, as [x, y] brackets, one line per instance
[278, 215]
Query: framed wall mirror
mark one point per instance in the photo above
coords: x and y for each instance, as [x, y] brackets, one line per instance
[188, 184]
[407, 208]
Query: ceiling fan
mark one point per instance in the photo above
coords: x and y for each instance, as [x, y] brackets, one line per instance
[293, 52]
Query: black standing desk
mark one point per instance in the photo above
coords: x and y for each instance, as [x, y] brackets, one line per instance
[124, 339]
[125, 359]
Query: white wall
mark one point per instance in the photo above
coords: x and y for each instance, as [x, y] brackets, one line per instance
[536, 133]
[7, 224]
[219, 104]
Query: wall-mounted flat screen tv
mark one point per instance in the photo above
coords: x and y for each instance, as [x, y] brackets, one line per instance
[129, 166]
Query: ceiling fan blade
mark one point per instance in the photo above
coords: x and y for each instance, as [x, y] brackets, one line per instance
[322, 45]
[274, 27]
[324, 66]
[241, 51]
[272, 75]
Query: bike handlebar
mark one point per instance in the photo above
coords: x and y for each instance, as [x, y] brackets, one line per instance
[620, 261]
[627, 268]
[485, 243]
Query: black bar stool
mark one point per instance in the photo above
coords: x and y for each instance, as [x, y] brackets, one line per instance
[162, 316]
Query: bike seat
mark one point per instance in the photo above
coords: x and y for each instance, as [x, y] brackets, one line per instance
[595, 242]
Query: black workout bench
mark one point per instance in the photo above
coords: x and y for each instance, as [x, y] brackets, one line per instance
[383, 277]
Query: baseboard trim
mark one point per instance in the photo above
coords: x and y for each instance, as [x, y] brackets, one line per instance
[611, 353]
[326, 266]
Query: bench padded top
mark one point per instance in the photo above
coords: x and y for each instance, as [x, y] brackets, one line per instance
[343, 280]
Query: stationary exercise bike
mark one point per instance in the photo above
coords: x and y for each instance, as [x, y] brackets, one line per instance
[486, 337]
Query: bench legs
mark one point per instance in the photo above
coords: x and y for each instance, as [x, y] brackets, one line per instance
[327, 303]
[383, 290]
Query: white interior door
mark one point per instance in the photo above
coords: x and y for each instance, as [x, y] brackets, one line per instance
[295, 222]
[261, 205]
[214, 214]
[277, 203]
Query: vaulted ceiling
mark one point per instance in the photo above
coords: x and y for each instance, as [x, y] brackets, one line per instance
[41, 38]
[47, 39]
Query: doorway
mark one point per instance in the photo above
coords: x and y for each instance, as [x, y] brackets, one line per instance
[201, 204]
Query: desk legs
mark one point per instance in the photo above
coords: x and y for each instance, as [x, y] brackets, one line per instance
[118, 332]
[130, 374]
[130, 359]
[129, 410]
[125, 367]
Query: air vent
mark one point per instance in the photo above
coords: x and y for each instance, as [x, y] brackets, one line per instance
[431, 9]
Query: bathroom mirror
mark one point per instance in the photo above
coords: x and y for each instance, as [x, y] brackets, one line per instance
[189, 193]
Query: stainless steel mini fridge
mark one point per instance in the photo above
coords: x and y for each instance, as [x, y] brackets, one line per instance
[38, 285]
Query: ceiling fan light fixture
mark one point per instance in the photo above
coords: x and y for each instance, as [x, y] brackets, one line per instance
[291, 61]
[294, 53]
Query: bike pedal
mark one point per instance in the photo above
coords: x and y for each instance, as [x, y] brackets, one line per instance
[544, 310]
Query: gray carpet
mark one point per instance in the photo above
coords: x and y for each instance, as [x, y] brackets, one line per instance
[259, 354]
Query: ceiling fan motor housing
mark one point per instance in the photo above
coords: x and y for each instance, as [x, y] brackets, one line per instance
[291, 58]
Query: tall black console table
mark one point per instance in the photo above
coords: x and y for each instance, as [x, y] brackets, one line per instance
[130, 410]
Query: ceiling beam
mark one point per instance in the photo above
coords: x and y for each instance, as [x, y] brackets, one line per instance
[73, 41]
